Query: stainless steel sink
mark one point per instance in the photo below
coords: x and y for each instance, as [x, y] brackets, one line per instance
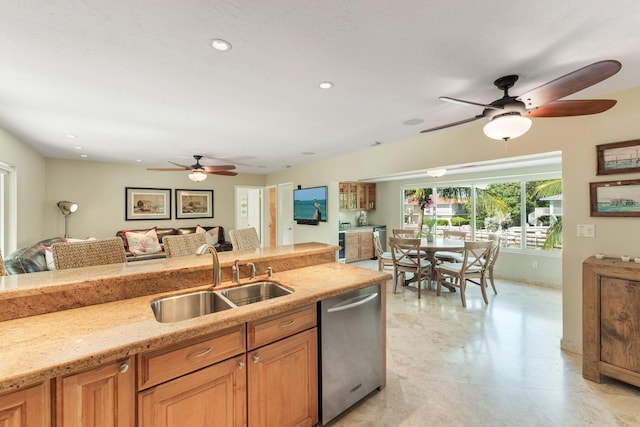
[188, 306]
[254, 292]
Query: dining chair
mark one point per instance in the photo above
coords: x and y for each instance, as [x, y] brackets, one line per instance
[244, 238]
[184, 244]
[404, 233]
[385, 259]
[450, 256]
[473, 266]
[493, 257]
[404, 262]
[88, 253]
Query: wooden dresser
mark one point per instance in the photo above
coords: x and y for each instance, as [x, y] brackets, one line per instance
[611, 320]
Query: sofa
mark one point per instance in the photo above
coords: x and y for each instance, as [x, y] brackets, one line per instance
[32, 259]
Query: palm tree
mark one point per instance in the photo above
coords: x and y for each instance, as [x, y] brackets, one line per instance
[554, 233]
[421, 195]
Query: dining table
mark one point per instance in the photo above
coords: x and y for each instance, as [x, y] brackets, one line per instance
[430, 247]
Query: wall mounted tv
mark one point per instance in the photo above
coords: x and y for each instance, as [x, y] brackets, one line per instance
[310, 205]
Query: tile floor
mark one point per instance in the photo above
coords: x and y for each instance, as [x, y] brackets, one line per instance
[495, 365]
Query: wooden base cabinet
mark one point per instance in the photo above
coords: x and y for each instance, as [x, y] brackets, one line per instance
[28, 407]
[283, 382]
[214, 397]
[100, 397]
[358, 244]
[611, 320]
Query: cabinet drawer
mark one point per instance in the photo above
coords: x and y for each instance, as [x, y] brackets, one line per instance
[171, 362]
[271, 329]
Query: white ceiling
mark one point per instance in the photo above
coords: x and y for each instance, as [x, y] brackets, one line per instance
[137, 79]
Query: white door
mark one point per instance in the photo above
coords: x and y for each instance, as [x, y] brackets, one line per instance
[285, 214]
[249, 208]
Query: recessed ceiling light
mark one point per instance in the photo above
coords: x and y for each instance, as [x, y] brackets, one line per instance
[139, 161]
[308, 153]
[221, 45]
[412, 122]
[84, 156]
[325, 85]
[77, 147]
[71, 135]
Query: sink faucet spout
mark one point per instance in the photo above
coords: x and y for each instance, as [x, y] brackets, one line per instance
[214, 259]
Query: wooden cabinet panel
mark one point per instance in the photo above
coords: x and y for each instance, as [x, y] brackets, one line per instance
[101, 397]
[358, 244]
[28, 407]
[620, 323]
[357, 196]
[283, 382]
[168, 363]
[211, 397]
[274, 328]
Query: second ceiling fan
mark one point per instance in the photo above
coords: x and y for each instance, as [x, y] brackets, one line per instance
[199, 172]
[509, 115]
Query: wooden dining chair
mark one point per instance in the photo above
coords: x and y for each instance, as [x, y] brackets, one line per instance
[473, 266]
[450, 256]
[404, 262]
[384, 258]
[404, 233]
[493, 257]
[183, 244]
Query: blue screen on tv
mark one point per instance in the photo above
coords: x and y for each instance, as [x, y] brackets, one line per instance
[310, 204]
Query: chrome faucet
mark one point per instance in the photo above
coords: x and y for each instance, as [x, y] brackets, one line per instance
[215, 261]
[253, 269]
[236, 271]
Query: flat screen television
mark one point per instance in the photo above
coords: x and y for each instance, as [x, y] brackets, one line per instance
[310, 205]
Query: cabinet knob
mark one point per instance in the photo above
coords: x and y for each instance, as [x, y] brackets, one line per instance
[241, 365]
[256, 358]
[123, 368]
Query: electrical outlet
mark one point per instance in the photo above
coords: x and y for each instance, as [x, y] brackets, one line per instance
[586, 230]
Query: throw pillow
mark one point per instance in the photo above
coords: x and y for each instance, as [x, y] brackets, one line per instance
[48, 256]
[212, 236]
[142, 243]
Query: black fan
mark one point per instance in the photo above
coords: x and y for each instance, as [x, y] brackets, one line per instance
[197, 167]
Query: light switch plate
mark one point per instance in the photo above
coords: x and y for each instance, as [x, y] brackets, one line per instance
[586, 230]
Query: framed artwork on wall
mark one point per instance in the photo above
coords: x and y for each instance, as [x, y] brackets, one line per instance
[194, 204]
[147, 203]
[618, 157]
[615, 198]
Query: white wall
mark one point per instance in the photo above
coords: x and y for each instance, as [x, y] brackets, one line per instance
[99, 189]
[30, 172]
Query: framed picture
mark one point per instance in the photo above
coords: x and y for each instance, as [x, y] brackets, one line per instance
[194, 204]
[615, 198]
[619, 157]
[147, 203]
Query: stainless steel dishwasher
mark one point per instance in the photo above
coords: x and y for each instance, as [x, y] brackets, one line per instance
[351, 353]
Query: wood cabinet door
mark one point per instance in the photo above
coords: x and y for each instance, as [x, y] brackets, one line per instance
[283, 382]
[28, 407]
[211, 397]
[102, 397]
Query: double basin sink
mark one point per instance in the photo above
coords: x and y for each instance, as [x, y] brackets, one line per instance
[200, 303]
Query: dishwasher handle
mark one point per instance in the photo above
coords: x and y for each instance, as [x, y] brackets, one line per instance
[348, 304]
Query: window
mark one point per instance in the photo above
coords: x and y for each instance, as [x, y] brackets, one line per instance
[8, 221]
[526, 213]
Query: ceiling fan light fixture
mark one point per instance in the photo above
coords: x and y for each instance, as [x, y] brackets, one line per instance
[507, 126]
[436, 173]
[197, 176]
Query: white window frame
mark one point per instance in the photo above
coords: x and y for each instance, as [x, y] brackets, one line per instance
[8, 209]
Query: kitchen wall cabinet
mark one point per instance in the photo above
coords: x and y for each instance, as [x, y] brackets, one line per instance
[611, 320]
[357, 196]
[28, 407]
[283, 375]
[103, 396]
[358, 244]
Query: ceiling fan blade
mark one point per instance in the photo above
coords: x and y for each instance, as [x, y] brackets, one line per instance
[570, 83]
[463, 102]
[568, 108]
[226, 173]
[182, 166]
[218, 168]
[166, 169]
[460, 122]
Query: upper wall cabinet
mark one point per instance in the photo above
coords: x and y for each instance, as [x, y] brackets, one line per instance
[357, 196]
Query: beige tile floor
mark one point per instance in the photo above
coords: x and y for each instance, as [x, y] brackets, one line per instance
[495, 365]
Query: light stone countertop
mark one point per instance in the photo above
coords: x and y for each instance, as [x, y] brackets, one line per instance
[44, 346]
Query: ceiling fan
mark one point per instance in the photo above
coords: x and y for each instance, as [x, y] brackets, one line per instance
[199, 172]
[510, 115]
